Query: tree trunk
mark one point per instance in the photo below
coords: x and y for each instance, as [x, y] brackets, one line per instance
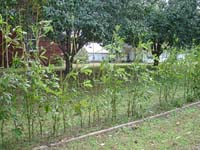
[157, 51]
[156, 61]
[68, 64]
[70, 47]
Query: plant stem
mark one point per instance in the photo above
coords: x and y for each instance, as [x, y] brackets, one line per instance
[40, 122]
[89, 117]
[64, 120]
[2, 134]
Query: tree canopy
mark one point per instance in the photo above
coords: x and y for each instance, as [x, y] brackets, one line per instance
[75, 22]
[175, 22]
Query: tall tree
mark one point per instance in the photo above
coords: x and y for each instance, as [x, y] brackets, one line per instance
[183, 17]
[131, 18]
[75, 23]
[158, 27]
[175, 22]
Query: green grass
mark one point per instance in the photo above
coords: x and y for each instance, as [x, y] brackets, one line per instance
[179, 131]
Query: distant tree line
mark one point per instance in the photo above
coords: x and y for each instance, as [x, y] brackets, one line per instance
[77, 22]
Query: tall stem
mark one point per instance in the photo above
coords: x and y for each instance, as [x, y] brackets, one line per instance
[6, 48]
[2, 134]
[40, 122]
[64, 120]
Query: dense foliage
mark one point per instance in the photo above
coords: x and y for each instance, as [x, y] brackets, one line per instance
[76, 22]
[173, 22]
[37, 101]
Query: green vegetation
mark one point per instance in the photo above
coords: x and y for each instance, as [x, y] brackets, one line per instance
[75, 23]
[40, 104]
[177, 131]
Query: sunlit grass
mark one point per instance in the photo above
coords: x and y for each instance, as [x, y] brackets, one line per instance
[177, 131]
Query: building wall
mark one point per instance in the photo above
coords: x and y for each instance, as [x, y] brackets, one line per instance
[97, 57]
[131, 56]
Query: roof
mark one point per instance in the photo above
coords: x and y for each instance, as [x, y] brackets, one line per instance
[95, 48]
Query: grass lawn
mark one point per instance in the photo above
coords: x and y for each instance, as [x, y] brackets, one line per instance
[179, 131]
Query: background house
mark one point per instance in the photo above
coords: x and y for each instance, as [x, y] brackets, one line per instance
[128, 53]
[96, 53]
[147, 57]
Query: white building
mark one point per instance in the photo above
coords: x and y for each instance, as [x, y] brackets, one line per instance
[96, 52]
[148, 57]
[128, 52]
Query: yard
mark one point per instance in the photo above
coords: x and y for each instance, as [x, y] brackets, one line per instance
[89, 98]
[148, 56]
[180, 130]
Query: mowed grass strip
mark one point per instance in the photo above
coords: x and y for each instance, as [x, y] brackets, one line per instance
[179, 131]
